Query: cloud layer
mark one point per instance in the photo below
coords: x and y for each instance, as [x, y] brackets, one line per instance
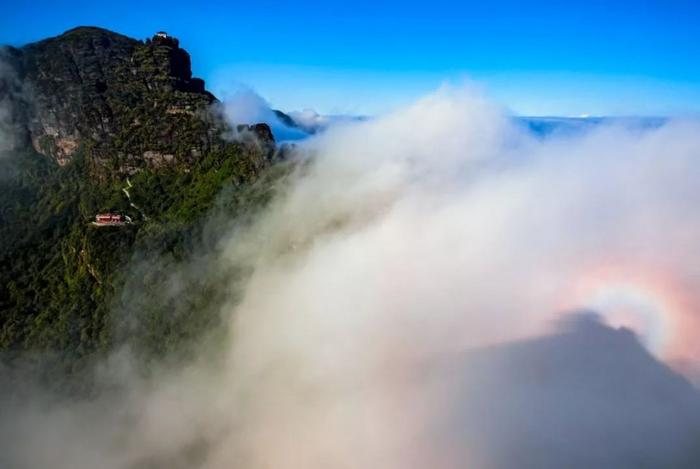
[402, 308]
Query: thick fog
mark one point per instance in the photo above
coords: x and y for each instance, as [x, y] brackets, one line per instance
[415, 301]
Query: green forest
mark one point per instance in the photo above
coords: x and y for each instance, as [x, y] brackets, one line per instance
[98, 122]
[66, 284]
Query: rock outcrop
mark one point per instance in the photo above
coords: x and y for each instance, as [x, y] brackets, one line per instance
[128, 103]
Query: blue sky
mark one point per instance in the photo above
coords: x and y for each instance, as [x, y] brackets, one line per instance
[362, 57]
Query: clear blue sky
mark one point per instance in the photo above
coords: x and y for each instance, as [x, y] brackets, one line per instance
[538, 58]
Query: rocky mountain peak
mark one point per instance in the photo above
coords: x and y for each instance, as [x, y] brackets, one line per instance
[120, 98]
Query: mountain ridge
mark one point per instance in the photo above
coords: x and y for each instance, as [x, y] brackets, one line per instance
[130, 103]
[93, 122]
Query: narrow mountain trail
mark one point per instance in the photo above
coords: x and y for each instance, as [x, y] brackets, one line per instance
[128, 196]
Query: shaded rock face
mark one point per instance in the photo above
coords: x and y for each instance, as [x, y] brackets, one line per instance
[174, 63]
[260, 131]
[119, 98]
[65, 80]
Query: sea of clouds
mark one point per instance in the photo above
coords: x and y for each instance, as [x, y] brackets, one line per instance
[410, 306]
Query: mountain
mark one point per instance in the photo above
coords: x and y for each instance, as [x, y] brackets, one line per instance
[134, 103]
[309, 122]
[96, 122]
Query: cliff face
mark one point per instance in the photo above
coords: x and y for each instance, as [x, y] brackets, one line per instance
[131, 104]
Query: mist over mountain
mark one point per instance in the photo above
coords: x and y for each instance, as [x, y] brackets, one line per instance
[181, 288]
[134, 103]
[96, 122]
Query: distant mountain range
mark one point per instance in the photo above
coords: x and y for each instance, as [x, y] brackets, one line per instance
[547, 126]
[309, 122]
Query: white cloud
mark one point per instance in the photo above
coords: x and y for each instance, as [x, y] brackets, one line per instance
[245, 106]
[312, 122]
[404, 244]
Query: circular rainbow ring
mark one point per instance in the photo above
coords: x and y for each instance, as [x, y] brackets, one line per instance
[654, 303]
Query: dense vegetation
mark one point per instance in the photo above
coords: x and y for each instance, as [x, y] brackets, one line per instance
[70, 291]
[132, 133]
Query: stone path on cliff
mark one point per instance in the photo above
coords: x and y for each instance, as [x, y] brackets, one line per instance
[128, 196]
